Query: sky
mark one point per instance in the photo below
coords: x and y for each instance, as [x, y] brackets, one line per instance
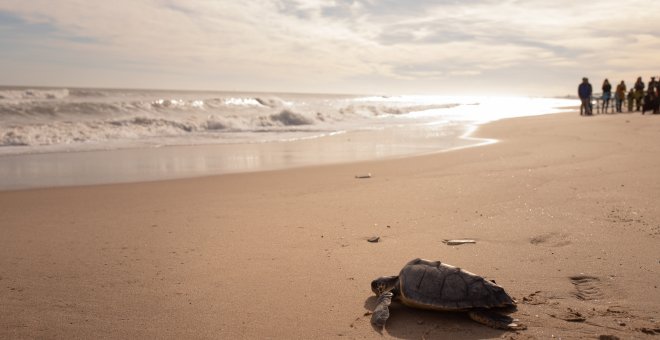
[444, 47]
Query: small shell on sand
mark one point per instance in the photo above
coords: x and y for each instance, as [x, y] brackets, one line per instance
[457, 242]
[373, 239]
[367, 175]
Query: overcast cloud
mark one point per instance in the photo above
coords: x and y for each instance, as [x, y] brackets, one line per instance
[342, 46]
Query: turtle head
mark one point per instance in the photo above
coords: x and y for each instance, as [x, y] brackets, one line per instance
[384, 284]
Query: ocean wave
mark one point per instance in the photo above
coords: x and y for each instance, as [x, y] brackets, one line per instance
[42, 108]
[86, 120]
[271, 102]
[76, 119]
[16, 94]
[144, 126]
[241, 101]
[218, 124]
[103, 108]
[86, 93]
[390, 109]
[92, 131]
[288, 118]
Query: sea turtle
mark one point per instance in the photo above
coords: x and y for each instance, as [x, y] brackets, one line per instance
[442, 287]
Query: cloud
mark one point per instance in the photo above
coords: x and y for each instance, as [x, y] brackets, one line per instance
[321, 45]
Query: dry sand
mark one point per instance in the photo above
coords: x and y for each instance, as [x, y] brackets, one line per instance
[564, 210]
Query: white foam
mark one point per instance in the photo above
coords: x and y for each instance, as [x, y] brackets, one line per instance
[242, 102]
[43, 120]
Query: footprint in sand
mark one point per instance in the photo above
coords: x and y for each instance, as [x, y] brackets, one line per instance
[553, 239]
[536, 298]
[588, 287]
[570, 315]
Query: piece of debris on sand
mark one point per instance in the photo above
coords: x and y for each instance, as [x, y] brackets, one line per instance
[458, 242]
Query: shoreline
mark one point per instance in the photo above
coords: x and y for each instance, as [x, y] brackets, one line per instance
[563, 210]
[152, 164]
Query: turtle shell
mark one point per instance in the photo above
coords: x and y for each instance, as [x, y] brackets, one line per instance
[438, 286]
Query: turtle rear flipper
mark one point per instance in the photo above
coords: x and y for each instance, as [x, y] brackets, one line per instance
[382, 311]
[495, 320]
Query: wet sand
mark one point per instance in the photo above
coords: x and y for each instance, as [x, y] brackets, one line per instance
[563, 210]
[53, 169]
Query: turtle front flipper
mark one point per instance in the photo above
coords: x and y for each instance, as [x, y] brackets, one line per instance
[382, 311]
[495, 320]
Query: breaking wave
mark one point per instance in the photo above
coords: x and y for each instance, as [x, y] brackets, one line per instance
[287, 117]
[135, 128]
[31, 118]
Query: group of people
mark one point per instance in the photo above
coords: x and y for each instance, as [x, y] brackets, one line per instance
[648, 100]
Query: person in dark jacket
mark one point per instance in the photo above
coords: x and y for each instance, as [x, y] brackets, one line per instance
[631, 99]
[620, 95]
[652, 84]
[607, 94]
[656, 107]
[639, 93]
[584, 92]
[651, 100]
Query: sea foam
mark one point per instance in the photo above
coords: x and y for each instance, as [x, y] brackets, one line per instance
[56, 119]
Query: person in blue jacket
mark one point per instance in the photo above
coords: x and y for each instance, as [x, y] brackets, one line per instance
[584, 92]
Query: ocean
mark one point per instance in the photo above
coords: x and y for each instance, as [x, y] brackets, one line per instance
[73, 136]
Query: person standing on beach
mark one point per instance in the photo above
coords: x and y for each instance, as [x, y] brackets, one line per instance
[639, 93]
[651, 99]
[584, 92]
[620, 95]
[631, 99]
[648, 103]
[652, 85]
[656, 104]
[656, 108]
[652, 89]
[607, 94]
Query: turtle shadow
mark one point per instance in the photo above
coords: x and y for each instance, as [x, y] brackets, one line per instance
[411, 323]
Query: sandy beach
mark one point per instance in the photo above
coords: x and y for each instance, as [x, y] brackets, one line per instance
[563, 210]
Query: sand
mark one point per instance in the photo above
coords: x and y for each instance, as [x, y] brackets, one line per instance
[564, 211]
